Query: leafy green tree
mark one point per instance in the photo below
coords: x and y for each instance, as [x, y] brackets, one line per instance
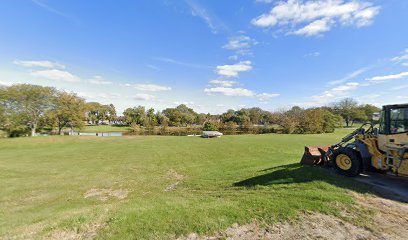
[255, 115]
[162, 120]
[209, 126]
[348, 110]
[181, 115]
[368, 111]
[68, 111]
[290, 120]
[97, 112]
[151, 119]
[26, 105]
[135, 115]
[93, 112]
[112, 113]
[318, 120]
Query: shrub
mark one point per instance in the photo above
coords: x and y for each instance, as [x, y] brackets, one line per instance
[209, 126]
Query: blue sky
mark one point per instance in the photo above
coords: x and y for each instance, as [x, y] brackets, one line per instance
[212, 55]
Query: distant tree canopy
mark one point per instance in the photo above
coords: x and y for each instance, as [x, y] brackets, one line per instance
[181, 115]
[349, 109]
[24, 106]
[97, 113]
[24, 109]
[68, 111]
[209, 126]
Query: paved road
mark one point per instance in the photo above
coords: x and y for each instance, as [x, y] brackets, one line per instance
[394, 187]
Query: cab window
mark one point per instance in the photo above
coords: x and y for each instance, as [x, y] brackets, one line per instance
[399, 120]
[382, 129]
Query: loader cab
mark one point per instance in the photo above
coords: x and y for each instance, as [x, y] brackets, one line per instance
[393, 126]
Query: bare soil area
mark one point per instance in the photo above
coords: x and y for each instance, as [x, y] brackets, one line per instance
[105, 194]
[388, 221]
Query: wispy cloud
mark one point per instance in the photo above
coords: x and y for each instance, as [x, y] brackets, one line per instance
[42, 64]
[223, 83]
[333, 94]
[265, 97]
[98, 80]
[400, 87]
[212, 21]
[350, 76]
[402, 58]
[264, 1]
[149, 87]
[5, 83]
[310, 18]
[241, 92]
[153, 67]
[312, 54]
[181, 63]
[388, 77]
[55, 74]
[144, 97]
[90, 96]
[227, 91]
[239, 42]
[50, 9]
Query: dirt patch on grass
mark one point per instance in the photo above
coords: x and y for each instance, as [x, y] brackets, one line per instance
[390, 218]
[105, 194]
[88, 231]
[174, 176]
[388, 221]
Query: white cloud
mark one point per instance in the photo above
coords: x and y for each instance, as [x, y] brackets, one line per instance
[315, 17]
[212, 21]
[223, 83]
[400, 87]
[43, 64]
[264, 1]
[265, 97]
[388, 77]
[403, 58]
[5, 83]
[350, 76]
[235, 69]
[176, 62]
[55, 74]
[144, 97]
[314, 28]
[98, 80]
[334, 93]
[153, 67]
[149, 87]
[312, 54]
[238, 92]
[90, 96]
[239, 42]
[402, 97]
[190, 104]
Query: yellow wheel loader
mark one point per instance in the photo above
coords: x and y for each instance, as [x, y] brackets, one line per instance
[383, 149]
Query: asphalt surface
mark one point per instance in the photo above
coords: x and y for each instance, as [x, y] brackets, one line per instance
[389, 186]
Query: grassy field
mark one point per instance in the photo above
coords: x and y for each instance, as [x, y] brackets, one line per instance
[159, 187]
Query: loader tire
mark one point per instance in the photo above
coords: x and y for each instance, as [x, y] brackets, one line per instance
[347, 162]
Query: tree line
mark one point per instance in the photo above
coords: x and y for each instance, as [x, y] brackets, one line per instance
[26, 109]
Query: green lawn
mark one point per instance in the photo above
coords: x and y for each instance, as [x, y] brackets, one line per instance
[176, 185]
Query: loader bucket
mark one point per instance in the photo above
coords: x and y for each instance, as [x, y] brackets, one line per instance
[315, 155]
